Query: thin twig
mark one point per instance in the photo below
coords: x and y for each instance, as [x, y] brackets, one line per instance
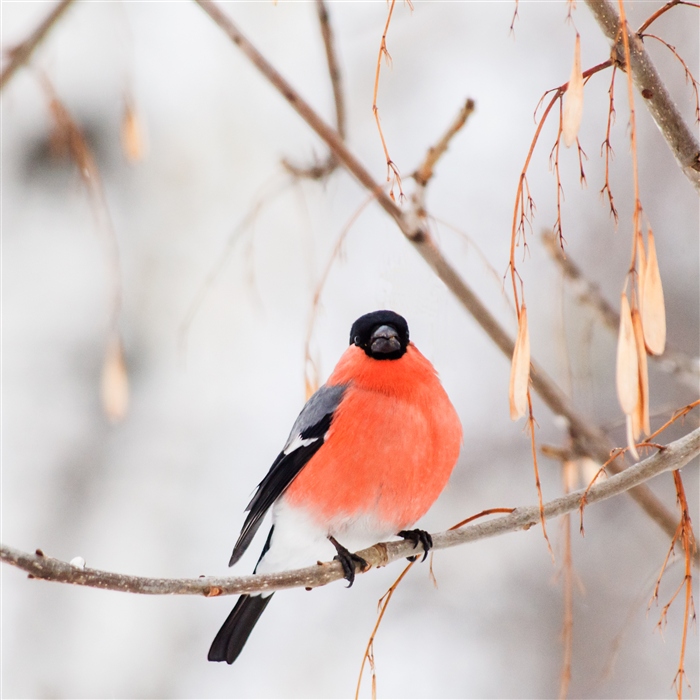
[311, 378]
[674, 362]
[569, 473]
[333, 67]
[680, 139]
[607, 146]
[20, 54]
[589, 439]
[654, 16]
[369, 649]
[524, 208]
[424, 173]
[391, 168]
[318, 171]
[673, 456]
[384, 601]
[267, 194]
[637, 213]
[425, 170]
[689, 77]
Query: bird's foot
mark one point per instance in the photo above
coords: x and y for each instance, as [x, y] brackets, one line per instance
[348, 561]
[417, 536]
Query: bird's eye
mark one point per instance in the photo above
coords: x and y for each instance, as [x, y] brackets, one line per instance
[356, 340]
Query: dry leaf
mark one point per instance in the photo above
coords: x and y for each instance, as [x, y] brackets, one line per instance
[627, 366]
[641, 414]
[573, 100]
[132, 134]
[115, 382]
[520, 369]
[653, 311]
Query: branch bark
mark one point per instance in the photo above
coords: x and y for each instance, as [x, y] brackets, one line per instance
[679, 137]
[20, 54]
[673, 456]
[589, 440]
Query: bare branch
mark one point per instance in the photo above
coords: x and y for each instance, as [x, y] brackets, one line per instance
[318, 171]
[333, 67]
[673, 456]
[685, 369]
[588, 438]
[661, 11]
[20, 54]
[425, 170]
[424, 173]
[680, 138]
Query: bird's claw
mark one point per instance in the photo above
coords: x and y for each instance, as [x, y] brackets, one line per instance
[348, 561]
[416, 536]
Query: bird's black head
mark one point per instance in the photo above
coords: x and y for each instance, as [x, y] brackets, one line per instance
[383, 335]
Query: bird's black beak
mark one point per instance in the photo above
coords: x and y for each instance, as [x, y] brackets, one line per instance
[384, 340]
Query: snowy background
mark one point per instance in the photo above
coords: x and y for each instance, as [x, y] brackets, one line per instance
[163, 493]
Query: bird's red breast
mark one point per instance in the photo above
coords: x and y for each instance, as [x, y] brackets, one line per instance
[391, 447]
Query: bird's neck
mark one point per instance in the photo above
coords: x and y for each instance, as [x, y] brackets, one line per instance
[401, 377]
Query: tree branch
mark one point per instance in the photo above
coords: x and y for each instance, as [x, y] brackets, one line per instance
[680, 138]
[318, 171]
[20, 54]
[673, 456]
[588, 439]
[425, 170]
[333, 66]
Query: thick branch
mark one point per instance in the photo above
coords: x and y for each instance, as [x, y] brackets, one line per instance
[674, 456]
[20, 54]
[589, 439]
[678, 364]
[678, 135]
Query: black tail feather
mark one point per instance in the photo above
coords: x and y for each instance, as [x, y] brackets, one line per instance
[234, 633]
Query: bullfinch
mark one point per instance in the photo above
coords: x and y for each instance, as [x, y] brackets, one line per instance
[368, 455]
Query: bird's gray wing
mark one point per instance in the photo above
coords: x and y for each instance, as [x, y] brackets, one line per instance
[307, 437]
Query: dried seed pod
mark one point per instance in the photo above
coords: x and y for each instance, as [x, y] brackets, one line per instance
[115, 382]
[653, 310]
[520, 369]
[132, 134]
[573, 100]
[641, 269]
[641, 414]
[627, 366]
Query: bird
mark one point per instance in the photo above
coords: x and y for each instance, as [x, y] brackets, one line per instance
[368, 455]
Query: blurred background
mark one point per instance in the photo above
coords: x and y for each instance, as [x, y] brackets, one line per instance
[214, 317]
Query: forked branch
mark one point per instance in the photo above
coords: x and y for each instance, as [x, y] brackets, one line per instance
[20, 54]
